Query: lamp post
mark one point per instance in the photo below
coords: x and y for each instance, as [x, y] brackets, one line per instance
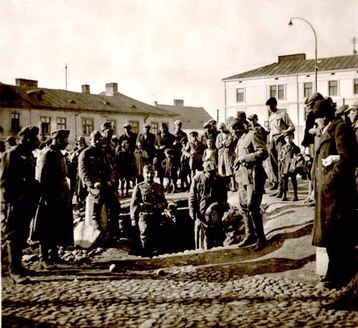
[315, 48]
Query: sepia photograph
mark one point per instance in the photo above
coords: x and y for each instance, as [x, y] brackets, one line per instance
[179, 163]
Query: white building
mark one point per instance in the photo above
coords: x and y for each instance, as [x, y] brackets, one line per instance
[291, 81]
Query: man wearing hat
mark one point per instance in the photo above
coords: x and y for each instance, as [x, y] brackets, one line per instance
[279, 124]
[195, 148]
[163, 140]
[20, 195]
[147, 139]
[210, 131]
[254, 120]
[147, 205]
[54, 221]
[10, 142]
[130, 136]
[97, 174]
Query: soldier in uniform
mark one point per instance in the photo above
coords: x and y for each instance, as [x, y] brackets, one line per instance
[179, 134]
[207, 204]
[20, 195]
[146, 207]
[54, 220]
[100, 180]
[250, 175]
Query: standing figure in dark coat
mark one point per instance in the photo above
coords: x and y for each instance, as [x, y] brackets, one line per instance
[100, 180]
[287, 156]
[146, 208]
[335, 223]
[196, 149]
[20, 195]
[130, 136]
[250, 153]
[164, 140]
[207, 204]
[126, 167]
[147, 139]
[54, 221]
[179, 134]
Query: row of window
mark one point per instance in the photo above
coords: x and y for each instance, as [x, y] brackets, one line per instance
[278, 91]
[61, 123]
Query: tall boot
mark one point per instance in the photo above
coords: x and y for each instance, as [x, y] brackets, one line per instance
[250, 237]
[259, 229]
[17, 272]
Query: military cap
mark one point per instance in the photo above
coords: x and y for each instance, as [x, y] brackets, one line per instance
[95, 134]
[127, 125]
[29, 131]
[221, 125]
[313, 98]
[60, 134]
[354, 106]
[241, 115]
[178, 122]
[147, 125]
[194, 133]
[106, 125]
[149, 168]
[207, 125]
[252, 117]
[212, 121]
[341, 110]
[164, 125]
[271, 101]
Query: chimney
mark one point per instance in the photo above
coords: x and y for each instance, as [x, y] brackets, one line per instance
[85, 88]
[155, 103]
[26, 84]
[289, 58]
[111, 89]
[179, 102]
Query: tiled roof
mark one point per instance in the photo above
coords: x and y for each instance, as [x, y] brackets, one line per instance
[191, 117]
[42, 98]
[300, 67]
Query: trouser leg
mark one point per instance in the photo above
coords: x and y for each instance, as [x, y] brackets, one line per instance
[15, 256]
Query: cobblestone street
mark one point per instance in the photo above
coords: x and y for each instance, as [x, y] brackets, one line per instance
[223, 287]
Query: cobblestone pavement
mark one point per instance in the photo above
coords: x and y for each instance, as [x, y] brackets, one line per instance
[227, 287]
[97, 298]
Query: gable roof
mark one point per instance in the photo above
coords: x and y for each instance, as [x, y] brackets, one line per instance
[191, 117]
[43, 98]
[300, 66]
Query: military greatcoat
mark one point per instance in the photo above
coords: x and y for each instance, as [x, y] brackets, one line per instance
[335, 193]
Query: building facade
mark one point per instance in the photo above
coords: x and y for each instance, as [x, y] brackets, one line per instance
[80, 112]
[291, 80]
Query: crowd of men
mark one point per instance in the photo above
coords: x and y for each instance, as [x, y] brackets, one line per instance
[241, 157]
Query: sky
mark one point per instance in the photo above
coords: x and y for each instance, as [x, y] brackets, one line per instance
[161, 50]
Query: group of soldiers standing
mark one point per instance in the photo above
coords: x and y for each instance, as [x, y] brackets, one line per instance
[240, 157]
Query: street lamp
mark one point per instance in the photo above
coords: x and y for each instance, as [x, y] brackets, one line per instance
[315, 48]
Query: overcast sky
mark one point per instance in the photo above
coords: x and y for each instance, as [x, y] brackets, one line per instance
[160, 50]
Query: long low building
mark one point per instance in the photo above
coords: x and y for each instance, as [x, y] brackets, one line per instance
[80, 112]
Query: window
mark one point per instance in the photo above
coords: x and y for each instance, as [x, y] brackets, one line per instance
[15, 122]
[307, 89]
[61, 123]
[333, 88]
[240, 95]
[135, 126]
[87, 126]
[355, 86]
[45, 125]
[154, 127]
[277, 91]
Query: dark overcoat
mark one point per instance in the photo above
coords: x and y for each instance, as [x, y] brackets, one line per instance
[335, 221]
[54, 220]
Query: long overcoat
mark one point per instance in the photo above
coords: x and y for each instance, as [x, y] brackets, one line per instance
[54, 221]
[335, 221]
